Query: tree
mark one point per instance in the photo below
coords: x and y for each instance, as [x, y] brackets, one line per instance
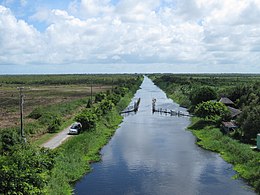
[202, 94]
[100, 96]
[249, 121]
[25, 170]
[212, 111]
[54, 124]
[9, 138]
[87, 118]
[106, 106]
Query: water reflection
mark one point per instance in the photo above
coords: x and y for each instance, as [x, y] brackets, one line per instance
[154, 154]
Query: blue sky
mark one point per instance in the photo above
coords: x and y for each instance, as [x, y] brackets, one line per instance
[103, 36]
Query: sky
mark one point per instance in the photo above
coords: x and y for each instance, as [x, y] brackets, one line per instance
[117, 36]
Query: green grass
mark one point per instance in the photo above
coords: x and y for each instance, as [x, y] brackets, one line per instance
[76, 155]
[246, 161]
[47, 136]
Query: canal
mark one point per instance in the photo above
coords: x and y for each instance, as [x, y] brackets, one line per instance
[155, 154]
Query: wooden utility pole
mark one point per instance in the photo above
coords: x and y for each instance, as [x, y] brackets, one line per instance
[91, 92]
[21, 97]
[112, 86]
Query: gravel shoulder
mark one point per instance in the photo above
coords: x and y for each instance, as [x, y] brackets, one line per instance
[57, 140]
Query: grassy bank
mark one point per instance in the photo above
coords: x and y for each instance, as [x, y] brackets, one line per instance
[76, 155]
[246, 161]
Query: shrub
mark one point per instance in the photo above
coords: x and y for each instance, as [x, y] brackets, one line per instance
[212, 111]
[25, 170]
[87, 118]
[250, 122]
[37, 113]
[106, 106]
[202, 94]
[54, 124]
[9, 138]
[100, 96]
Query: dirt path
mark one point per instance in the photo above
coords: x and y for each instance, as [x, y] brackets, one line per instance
[57, 140]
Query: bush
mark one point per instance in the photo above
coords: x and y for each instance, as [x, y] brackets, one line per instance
[250, 122]
[106, 106]
[115, 98]
[25, 170]
[203, 94]
[212, 111]
[87, 119]
[100, 96]
[54, 124]
[36, 113]
[9, 138]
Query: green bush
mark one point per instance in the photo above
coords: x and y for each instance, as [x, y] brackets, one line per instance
[212, 111]
[250, 122]
[54, 124]
[202, 94]
[88, 119]
[9, 138]
[106, 106]
[100, 96]
[37, 113]
[25, 170]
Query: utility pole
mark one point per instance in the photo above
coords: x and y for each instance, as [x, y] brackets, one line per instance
[21, 97]
[91, 92]
[112, 86]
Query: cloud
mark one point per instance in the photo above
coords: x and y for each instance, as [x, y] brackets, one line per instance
[19, 42]
[104, 32]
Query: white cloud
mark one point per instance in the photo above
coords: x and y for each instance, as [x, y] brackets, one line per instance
[19, 42]
[90, 32]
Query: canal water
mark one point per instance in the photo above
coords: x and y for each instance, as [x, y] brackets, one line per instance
[155, 154]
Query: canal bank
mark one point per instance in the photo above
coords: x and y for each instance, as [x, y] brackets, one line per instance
[154, 154]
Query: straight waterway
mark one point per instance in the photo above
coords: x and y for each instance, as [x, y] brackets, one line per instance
[155, 154]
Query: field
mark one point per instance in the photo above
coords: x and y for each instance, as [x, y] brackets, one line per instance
[64, 94]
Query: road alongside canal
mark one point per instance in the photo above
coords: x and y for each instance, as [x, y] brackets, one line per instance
[155, 154]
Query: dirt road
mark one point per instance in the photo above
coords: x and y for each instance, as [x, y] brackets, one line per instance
[57, 140]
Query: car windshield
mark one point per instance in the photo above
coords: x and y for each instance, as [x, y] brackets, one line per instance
[75, 126]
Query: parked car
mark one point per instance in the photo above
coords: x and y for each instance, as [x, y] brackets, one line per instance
[75, 128]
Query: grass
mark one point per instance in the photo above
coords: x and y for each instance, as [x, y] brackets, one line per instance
[76, 155]
[246, 161]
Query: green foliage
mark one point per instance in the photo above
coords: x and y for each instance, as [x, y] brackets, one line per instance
[245, 160]
[243, 90]
[202, 94]
[8, 138]
[54, 124]
[70, 79]
[89, 103]
[215, 111]
[100, 96]
[106, 106]
[25, 170]
[88, 119]
[250, 122]
[37, 113]
[115, 98]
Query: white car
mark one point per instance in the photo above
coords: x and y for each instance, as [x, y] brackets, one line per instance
[75, 128]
